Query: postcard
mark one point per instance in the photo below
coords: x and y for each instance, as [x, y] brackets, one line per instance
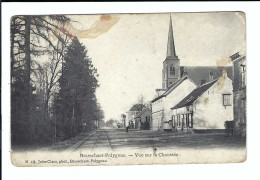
[128, 89]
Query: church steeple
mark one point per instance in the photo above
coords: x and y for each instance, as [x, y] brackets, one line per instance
[171, 64]
[170, 46]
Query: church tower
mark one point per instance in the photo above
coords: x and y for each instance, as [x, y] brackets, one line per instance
[171, 65]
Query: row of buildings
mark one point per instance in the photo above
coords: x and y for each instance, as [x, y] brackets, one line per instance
[194, 98]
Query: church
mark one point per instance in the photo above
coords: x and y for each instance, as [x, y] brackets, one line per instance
[178, 82]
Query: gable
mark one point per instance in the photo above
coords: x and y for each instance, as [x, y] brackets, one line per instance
[172, 87]
[188, 100]
[137, 107]
[145, 111]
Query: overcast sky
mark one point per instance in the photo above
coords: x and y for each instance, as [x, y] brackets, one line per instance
[128, 50]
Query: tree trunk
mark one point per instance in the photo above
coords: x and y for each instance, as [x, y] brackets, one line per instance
[27, 51]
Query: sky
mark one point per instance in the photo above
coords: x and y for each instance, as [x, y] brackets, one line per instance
[128, 50]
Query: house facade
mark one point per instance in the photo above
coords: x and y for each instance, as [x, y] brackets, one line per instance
[132, 122]
[143, 119]
[206, 108]
[161, 112]
[239, 92]
[131, 119]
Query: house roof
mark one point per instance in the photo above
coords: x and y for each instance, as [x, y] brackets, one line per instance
[140, 113]
[188, 100]
[171, 88]
[137, 107]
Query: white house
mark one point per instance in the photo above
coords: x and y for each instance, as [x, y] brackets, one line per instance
[205, 108]
[131, 115]
[161, 106]
[143, 119]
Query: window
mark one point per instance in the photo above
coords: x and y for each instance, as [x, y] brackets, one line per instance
[170, 123]
[190, 120]
[147, 118]
[182, 120]
[172, 70]
[187, 120]
[178, 120]
[226, 100]
[173, 121]
[243, 72]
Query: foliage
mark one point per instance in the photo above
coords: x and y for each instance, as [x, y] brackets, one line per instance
[39, 89]
[76, 100]
[30, 39]
[111, 122]
[140, 104]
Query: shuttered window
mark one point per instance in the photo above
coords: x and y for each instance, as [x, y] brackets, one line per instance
[226, 99]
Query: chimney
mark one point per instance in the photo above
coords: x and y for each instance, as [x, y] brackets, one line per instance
[235, 56]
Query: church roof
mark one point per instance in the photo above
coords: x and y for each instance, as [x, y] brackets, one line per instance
[170, 46]
[188, 100]
[198, 73]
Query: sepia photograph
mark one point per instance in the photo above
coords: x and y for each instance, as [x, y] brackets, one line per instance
[128, 89]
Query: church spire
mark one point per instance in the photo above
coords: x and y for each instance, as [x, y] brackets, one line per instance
[170, 45]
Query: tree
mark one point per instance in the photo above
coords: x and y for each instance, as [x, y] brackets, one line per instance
[28, 34]
[76, 97]
[140, 99]
[111, 122]
[64, 85]
[140, 104]
[49, 73]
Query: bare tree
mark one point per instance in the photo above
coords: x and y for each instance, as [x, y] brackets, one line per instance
[141, 99]
[31, 38]
[50, 72]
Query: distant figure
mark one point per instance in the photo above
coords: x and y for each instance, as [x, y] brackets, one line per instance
[126, 129]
